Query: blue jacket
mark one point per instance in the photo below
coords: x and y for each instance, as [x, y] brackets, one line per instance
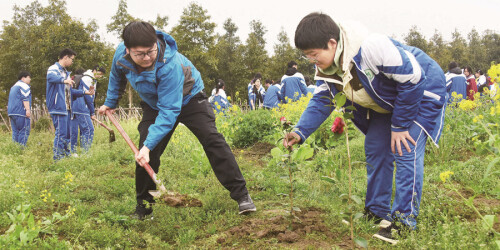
[85, 105]
[293, 87]
[253, 96]
[311, 89]
[219, 102]
[19, 93]
[273, 96]
[401, 79]
[167, 86]
[456, 83]
[55, 96]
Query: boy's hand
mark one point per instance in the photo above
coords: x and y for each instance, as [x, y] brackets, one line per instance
[291, 139]
[103, 108]
[397, 138]
[143, 156]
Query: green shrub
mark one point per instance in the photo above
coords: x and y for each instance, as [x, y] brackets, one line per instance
[253, 126]
[43, 124]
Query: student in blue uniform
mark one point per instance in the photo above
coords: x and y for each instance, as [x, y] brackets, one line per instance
[83, 108]
[293, 84]
[58, 100]
[219, 98]
[273, 95]
[19, 108]
[171, 89]
[455, 82]
[399, 94]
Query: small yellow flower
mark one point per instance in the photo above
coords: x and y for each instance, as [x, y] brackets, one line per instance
[445, 175]
[229, 98]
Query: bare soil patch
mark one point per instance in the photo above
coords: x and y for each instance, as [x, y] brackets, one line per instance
[180, 200]
[280, 229]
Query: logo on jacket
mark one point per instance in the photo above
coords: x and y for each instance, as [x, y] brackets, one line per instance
[369, 74]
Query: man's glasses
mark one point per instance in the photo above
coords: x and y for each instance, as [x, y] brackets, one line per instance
[310, 59]
[150, 53]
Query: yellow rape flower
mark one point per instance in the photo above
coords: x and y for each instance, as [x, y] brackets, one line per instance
[445, 175]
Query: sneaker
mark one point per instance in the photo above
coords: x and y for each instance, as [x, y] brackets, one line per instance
[387, 234]
[245, 205]
[370, 216]
[141, 211]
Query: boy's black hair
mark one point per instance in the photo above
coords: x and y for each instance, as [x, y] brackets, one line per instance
[258, 76]
[291, 64]
[67, 52]
[139, 33]
[452, 65]
[315, 30]
[22, 74]
[100, 69]
[79, 71]
[269, 81]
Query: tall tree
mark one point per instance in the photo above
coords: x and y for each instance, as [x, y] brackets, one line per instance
[476, 51]
[283, 53]
[122, 18]
[195, 39]
[458, 49]
[415, 39]
[255, 56]
[439, 51]
[230, 66]
[35, 36]
[491, 41]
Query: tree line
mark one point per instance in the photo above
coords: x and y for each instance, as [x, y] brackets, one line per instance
[36, 34]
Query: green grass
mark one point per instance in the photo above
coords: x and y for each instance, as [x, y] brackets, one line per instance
[103, 193]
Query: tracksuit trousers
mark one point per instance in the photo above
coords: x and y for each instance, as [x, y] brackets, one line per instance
[20, 129]
[84, 123]
[197, 116]
[380, 169]
[62, 135]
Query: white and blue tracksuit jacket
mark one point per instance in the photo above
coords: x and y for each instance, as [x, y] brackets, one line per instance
[400, 79]
[273, 96]
[456, 83]
[55, 95]
[19, 93]
[85, 105]
[166, 86]
[293, 87]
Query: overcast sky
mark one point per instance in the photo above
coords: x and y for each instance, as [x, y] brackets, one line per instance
[390, 17]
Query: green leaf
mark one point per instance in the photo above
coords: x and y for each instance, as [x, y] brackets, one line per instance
[328, 179]
[340, 99]
[488, 221]
[357, 216]
[356, 199]
[361, 242]
[305, 152]
[23, 237]
[351, 108]
[276, 153]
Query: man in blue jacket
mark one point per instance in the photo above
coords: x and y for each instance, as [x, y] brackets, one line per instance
[58, 96]
[399, 94]
[293, 84]
[83, 109]
[171, 89]
[273, 96]
[19, 108]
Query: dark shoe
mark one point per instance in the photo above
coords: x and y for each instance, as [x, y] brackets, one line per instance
[370, 216]
[245, 205]
[141, 211]
[387, 234]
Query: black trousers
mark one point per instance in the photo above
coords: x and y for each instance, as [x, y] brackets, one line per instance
[199, 117]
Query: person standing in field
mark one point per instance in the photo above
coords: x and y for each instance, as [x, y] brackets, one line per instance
[293, 85]
[19, 108]
[455, 82]
[399, 94]
[83, 108]
[59, 94]
[471, 83]
[172, 91]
